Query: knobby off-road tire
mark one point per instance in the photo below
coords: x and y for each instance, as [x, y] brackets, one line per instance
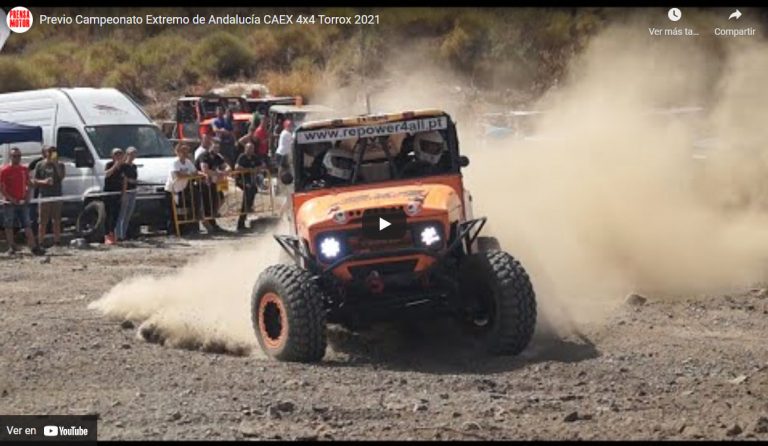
[288, 315]
[499, 291]
[488, 244]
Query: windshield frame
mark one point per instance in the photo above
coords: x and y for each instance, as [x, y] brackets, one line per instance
[105, 153]
[302, 182]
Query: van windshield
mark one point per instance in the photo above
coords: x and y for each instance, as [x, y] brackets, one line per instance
[148, 140]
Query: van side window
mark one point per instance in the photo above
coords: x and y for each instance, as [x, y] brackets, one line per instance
[66, 140]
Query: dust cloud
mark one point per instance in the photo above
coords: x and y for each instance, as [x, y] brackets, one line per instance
[612, 196]
[205, 305]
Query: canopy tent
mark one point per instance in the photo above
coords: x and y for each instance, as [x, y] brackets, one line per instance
[11, 132]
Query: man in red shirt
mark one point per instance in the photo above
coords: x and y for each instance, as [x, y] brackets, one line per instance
[14, 185]
[258, 137]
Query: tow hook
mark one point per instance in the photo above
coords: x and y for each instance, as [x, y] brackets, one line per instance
[374, 282]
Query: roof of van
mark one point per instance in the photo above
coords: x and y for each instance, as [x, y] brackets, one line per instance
[94, 106]
[106, 106]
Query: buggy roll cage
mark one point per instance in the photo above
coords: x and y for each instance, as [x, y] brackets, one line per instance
[301, 180]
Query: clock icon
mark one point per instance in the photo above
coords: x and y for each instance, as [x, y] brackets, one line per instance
[674, 14]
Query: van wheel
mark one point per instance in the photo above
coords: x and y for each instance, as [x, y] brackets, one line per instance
[90, 222]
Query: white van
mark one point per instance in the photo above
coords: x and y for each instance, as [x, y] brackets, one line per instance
[85, 124]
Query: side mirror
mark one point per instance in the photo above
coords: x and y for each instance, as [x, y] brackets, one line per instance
[463, 161]
[82, 157]
[286, 178]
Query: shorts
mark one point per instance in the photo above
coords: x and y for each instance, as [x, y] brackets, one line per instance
[15, 212]
[50, 211]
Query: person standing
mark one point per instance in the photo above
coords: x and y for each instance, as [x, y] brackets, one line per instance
[14, 186]
[205, 145]
[284, 144]
[128, 199]
[248, 180]
[49, 176]
[258, 137]
[178, 185]
[113, 185]
[225, 131]
[214, 168]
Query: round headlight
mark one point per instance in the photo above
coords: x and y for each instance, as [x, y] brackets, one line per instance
[330, 247]
[430, 236]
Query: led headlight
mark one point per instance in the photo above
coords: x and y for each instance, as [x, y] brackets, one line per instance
[330, 247]
[430, 236]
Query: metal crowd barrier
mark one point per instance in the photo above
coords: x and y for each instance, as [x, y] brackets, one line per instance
[202, 201]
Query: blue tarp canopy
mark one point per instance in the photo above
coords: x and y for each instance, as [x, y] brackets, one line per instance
[11, 132]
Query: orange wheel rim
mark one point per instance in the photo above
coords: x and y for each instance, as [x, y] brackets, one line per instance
[273, 321]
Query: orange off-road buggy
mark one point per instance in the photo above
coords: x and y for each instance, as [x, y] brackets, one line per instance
[382, 228]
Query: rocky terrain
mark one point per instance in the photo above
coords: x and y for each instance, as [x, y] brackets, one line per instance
[687, 369]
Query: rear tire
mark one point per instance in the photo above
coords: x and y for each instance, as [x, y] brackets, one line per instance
[288, 315]
[90, 222]
[500, 302]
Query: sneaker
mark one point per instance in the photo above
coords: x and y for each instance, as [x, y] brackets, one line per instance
[11, 251]
[109, 239]
[38, 251]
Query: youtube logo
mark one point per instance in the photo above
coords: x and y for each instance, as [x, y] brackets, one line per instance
[384, 226]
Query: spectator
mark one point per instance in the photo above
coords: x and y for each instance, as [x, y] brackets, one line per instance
[49, 175]
[14, 185]
[248, 181]
[178, 184]
[214, 168]
[225, 130]
[128, 199]
[284, 145]
[35, 194]
[259, 138]
[256, 118]
[205, 145]
[113, 182]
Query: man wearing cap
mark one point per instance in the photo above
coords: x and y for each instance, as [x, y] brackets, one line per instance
[49, 175]
[128, 199]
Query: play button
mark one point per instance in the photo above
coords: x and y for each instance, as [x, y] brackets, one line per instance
[388, 225]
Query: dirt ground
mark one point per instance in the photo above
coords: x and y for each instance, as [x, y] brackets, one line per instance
[657, 370]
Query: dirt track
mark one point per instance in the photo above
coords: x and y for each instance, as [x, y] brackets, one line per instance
[689, 369]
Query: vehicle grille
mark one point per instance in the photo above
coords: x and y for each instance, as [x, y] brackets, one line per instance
[359, 244]
[385, 269]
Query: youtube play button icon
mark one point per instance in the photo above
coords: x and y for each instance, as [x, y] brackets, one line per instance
[380, 226]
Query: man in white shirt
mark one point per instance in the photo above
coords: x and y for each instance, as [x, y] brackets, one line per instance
[179, 192]
[284, 144]
[205, 145]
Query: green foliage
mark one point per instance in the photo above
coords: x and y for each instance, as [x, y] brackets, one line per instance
[16, 76]
[495, 48]
[223, 55]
